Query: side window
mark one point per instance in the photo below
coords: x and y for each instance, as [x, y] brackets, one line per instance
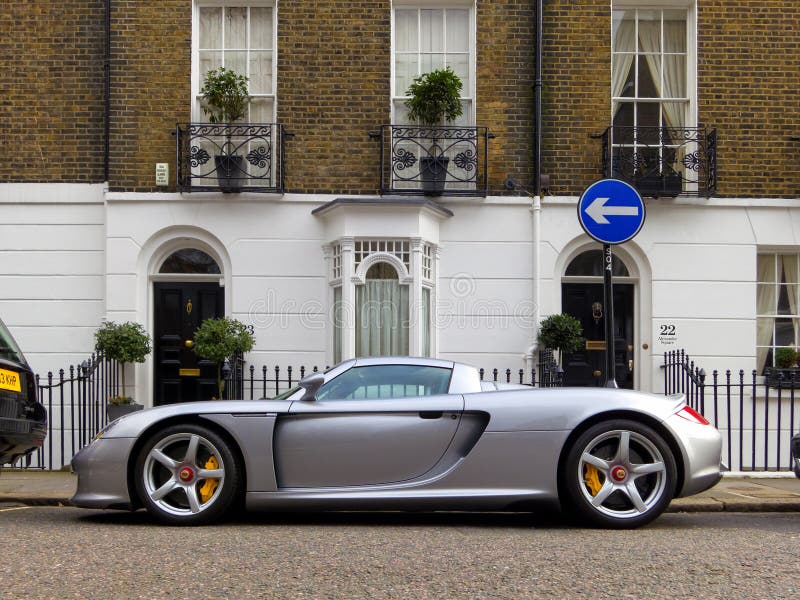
[386, 381]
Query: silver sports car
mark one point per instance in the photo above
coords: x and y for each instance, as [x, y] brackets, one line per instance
[405, 434]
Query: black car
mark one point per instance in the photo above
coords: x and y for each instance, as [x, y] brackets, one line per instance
[23, 420]
[796, 454]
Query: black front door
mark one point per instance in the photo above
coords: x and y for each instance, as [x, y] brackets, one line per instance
[584, 301]
[180, 376]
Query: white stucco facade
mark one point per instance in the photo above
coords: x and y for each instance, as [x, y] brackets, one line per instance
[73, 255]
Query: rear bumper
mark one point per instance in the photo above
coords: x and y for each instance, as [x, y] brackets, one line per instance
[701, 449]
[19, 437]
[102, 469]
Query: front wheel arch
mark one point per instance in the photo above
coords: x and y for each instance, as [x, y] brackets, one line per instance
[136, 501]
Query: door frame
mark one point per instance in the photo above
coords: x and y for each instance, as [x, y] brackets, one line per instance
[640, 276]
[152, 255]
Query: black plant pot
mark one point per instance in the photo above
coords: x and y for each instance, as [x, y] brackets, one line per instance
[115, 411]
[777, 377]
[433, 172]
[659, 185]
[229, 173]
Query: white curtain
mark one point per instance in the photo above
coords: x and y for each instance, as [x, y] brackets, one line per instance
[765, 305]
[673, 82]
[789, 264]
[623, 38]
[382, 318]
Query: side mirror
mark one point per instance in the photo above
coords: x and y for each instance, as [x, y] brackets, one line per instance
[311, 383]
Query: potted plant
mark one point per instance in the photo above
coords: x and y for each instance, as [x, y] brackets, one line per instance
[785, 373]
[124, 343]
[218, 340]
[561, 332]
[224, 99]
[435, 100]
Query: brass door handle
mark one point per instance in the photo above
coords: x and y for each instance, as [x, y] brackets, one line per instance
[189, 344]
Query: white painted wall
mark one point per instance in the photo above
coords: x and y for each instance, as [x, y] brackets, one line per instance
[72, 255]
[52, 290]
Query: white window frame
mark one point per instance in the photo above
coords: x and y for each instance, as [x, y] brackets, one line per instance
[466, 94]
[196, 82]
[691, 50]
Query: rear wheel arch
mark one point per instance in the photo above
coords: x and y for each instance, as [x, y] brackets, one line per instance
[642, 418]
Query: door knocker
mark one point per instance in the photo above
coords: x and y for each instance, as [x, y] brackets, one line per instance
[189, 306]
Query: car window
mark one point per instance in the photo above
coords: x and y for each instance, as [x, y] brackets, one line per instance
[375, 382]
[8, 347]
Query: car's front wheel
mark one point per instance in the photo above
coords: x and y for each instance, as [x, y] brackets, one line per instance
[187, 475]
[619, 474]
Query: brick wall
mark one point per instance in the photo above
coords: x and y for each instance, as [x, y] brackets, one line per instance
[577, 84]
[505, 76]
[150, 88]
[749, 80]
[333, 89]
[51, 106]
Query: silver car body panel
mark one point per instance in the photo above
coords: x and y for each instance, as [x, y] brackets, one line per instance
[466, 449]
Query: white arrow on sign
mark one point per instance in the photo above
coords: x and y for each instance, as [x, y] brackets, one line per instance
[598, 211]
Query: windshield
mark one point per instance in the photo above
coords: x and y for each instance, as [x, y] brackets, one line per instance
[8, 347]
[286, 394]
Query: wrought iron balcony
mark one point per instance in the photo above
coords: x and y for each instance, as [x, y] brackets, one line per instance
[662, 161]
[434, 161]
[240, 157]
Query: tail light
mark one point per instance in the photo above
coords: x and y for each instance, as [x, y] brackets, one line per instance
[690, 414]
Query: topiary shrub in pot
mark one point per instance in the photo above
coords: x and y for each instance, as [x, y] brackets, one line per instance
[219, 340]
[561, 332]
[785, 373]
[125, 343]
[435, 100]
[224, 99]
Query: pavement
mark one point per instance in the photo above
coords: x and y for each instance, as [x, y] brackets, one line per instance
[737, 492]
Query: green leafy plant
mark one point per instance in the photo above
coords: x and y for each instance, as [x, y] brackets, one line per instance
[561, 332]
[124, 343]
[218, 340]
[224, 96]
[786, 358]
[435, 97]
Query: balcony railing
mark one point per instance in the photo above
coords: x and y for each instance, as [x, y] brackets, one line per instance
[662, 161]
[241, 157]
[434, 161]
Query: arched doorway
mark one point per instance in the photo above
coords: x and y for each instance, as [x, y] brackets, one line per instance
[582, 297]
[187, 292]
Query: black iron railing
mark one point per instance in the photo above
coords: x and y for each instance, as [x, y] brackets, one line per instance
[434, 161]
[75, 399]
[662, 161]
[240, 157]
[756, 419]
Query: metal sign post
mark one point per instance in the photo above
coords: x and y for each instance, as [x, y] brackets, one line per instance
[611, 212]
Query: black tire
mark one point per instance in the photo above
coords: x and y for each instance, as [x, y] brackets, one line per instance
[170, 473]
[604, 485]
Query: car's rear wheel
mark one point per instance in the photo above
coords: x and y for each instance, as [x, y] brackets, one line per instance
[187, 475]
[619, 474]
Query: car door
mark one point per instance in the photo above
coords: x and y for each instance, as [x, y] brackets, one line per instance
[370, 425]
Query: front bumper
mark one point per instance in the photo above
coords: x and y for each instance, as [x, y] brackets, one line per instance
[701, 449]
[102, 469]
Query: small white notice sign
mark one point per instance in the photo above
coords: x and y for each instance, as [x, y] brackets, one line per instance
[162, 173]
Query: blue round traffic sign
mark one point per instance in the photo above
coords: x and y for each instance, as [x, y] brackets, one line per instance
[611, 211]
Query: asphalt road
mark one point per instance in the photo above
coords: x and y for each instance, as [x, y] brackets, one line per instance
[51, 552]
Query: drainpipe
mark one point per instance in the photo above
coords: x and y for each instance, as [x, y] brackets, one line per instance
[107, 93]
[536, 207]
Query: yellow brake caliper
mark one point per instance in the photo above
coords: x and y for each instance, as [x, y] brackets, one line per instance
[208, 487]
[591, 477]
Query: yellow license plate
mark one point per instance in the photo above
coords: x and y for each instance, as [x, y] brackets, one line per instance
[9, 380]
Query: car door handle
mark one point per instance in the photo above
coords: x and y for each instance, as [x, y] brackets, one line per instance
[430, 414]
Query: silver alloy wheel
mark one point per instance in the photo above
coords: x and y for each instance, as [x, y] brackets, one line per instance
[175, 470]
[632, 474]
